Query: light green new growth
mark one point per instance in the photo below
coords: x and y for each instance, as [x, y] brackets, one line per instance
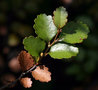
[60, 17]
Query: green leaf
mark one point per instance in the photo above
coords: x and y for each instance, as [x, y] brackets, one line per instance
[60, 17]
[74, 33]
[60, 51]
[44, 27]
[34, 45]
[86, 20]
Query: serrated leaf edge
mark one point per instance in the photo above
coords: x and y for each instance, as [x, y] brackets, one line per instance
[67, 57]
[86, 26]
[54, 16]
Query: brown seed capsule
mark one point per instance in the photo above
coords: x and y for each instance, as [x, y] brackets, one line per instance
[26, 82]
[26, 61]
[42, 75]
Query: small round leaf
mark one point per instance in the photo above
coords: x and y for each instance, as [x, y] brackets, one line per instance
[74, 33]
[34, 45]
[44, 27]
[60, 17]
[60, 51]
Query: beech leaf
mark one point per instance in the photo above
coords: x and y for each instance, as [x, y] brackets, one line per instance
[44, 27]
[43, 75]
[74, 33]
[86, 20]
[25, 60]
[26, 82]
[60, 17]
[34, 45]
[60, 51]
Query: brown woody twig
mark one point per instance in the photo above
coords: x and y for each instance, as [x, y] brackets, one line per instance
[23, 74]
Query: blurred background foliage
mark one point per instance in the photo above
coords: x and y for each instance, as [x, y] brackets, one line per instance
[16, 22]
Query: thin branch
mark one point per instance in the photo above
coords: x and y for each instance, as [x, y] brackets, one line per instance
[54, 41]
[14, 82]
[58, 31]
[34, 67]
[56, 38]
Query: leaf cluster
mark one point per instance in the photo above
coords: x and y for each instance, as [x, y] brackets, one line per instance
[55, 36]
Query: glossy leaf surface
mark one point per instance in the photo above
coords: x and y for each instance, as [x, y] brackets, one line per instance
[60, 51]
[44, 27]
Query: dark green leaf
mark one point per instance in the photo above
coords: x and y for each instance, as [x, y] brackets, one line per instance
[86, 20]
[74, 33]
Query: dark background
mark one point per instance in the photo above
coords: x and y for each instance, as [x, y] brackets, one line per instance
[16, 22]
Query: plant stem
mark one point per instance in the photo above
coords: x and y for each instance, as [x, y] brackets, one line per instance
[35, 66]
[49, 45]
[54, 41]
[14, 82]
